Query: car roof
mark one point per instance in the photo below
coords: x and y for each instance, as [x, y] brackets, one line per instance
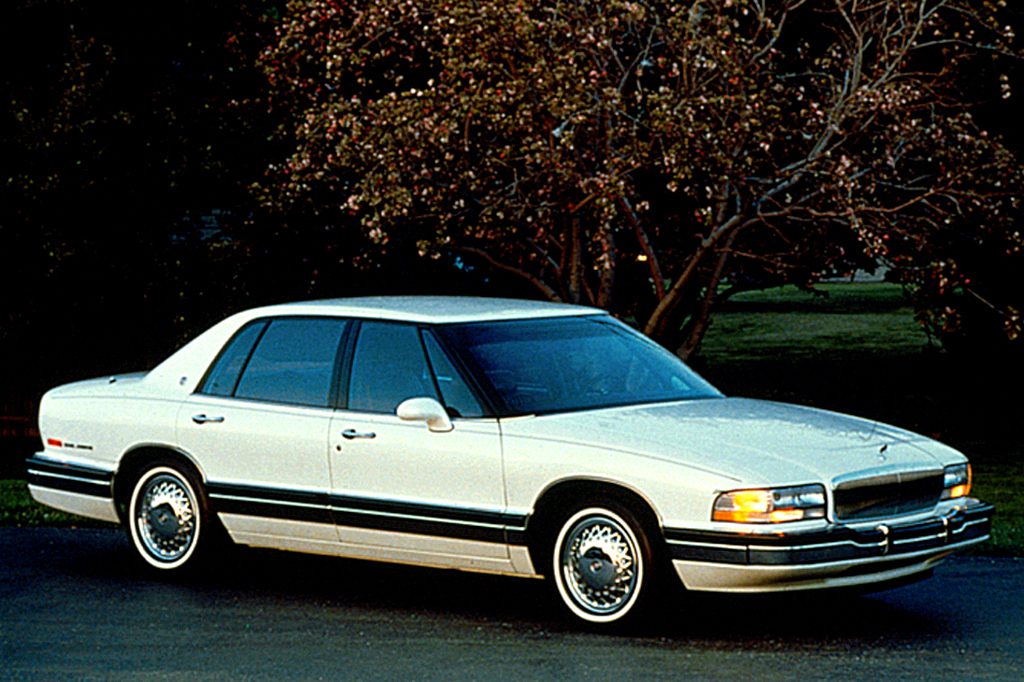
[428, 309]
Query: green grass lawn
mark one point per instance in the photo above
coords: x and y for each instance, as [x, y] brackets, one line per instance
[792, 325]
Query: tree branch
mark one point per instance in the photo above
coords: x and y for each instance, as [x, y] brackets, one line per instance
[548, 292]
[657, 278]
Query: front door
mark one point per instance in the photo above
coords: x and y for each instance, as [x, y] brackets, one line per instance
[399, 490]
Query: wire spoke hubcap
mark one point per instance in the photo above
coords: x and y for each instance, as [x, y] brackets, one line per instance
[599, 564]
[165, 517]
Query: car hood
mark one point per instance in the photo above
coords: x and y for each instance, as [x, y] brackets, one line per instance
[751, 441]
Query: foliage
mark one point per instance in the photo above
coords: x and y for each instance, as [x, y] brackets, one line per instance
[125, 133]
[967, 288]
[642, 155]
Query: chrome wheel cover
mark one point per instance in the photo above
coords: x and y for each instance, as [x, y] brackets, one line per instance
[165, 517]
[599, 563]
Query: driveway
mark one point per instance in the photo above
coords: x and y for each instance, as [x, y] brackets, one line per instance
[75, 603]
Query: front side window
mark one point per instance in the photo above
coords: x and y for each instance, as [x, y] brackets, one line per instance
[571, 363]
[458, 397]
[294, 362]
[388, 367]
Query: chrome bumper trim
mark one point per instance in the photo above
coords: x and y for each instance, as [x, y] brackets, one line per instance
[963, 526]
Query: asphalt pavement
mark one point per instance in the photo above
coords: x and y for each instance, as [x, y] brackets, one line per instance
[76, 604]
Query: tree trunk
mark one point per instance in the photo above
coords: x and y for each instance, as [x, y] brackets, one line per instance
[604, 291]
[657, 279]
[575, 261]
[701, 319]
[657, 323]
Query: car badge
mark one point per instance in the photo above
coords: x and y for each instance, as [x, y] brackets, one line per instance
[881, 453]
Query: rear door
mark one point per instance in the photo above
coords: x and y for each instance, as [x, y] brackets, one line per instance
[259, 428]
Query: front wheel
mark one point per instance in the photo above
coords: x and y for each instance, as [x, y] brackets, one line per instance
[166, 516]
[602, 563]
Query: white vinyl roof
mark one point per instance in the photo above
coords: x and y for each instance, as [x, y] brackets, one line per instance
[427, 309]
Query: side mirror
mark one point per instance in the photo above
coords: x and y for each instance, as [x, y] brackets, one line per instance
[425, 410]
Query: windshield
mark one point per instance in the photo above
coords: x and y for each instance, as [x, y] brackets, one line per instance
[571, 363]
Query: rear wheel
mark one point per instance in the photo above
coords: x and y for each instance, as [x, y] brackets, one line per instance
[167, 515]
[602, 564]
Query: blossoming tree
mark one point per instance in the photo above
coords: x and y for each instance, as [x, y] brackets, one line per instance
[651, 157]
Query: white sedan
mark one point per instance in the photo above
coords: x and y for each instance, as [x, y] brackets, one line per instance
[516, 437]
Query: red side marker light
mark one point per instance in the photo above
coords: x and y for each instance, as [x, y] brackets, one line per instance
[54, 442]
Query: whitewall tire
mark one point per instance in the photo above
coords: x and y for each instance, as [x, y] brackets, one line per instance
[601, 561]
[166, 516]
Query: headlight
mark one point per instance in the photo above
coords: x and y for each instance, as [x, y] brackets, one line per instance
[957, 482]
[771, 505]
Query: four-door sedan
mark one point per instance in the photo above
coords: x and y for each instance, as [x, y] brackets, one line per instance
[516, 437]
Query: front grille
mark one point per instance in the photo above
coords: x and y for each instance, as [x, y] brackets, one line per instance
[888, 495]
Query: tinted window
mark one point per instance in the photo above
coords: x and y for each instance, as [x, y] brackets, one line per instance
[573, 363]
[458, 397]
[388, 367]
[224, 376]
[294, 362]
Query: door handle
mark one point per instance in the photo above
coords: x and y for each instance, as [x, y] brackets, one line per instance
[349, 434]
[203, 419]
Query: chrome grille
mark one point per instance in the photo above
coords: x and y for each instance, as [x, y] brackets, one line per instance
[888, 495]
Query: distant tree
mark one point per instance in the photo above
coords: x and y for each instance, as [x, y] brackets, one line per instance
[967, 283]
[125, 125]
[649, 157]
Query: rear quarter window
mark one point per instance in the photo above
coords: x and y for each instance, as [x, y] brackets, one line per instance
[223, 377]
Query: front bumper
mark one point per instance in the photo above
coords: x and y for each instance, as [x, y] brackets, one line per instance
[835, 557]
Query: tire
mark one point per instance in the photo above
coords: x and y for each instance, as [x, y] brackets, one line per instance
[603, 565]
[167, 516]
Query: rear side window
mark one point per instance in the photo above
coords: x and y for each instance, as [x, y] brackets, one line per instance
[294, 362]
[223, 378]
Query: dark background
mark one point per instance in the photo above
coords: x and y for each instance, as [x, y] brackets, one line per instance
[131, 140]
